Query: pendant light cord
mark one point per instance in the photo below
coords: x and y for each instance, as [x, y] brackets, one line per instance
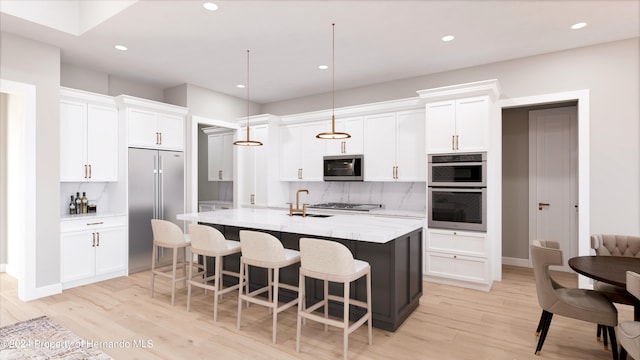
[247, 94]
[333, 76]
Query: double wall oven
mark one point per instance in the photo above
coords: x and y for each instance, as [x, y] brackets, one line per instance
[458, 191]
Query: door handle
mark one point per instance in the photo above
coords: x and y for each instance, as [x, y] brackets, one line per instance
[541, 205]
[220, 174]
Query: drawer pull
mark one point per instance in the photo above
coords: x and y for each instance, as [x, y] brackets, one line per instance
[95, 223]
[455, 256]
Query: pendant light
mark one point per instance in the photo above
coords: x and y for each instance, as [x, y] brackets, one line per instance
[333, 134]
[247, 141]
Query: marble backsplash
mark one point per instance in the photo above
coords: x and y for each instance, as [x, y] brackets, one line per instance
[97, 193]
[406, 196]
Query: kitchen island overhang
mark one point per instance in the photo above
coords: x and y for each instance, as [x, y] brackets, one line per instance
[391, 245]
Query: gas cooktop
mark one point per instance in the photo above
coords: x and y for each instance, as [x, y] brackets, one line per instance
[346, 206]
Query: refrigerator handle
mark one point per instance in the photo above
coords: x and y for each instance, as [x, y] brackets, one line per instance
[160, 192]
[155, 186]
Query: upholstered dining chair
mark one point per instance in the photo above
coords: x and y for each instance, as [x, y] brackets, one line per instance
[580, 304]
[628, 332]
[614, 245]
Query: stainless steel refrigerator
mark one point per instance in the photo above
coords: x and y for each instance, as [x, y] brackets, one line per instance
[156, 191]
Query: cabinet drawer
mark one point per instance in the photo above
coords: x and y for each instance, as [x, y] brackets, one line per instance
[457, 267]
[90, 223]
[464, 243]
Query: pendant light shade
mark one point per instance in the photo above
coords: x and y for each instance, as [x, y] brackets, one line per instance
[333, 134]
[247, 141]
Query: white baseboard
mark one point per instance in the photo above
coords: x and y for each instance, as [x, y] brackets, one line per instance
[515, 262]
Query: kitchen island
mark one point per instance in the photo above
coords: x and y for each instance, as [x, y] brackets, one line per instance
[391, 245]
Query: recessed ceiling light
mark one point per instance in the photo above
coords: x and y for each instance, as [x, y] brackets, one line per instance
[121, 47]
[240, 86]
[210, 6]
[448, 38]
[323, 67]
[579, 25]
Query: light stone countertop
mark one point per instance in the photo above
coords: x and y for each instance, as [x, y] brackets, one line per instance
[362, 227]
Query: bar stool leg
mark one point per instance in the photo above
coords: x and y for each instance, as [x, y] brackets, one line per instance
[242, 274]
[301, 308]
[173, 279]
[154, 253]
[276, 283]
[326, 303]
[346, 321]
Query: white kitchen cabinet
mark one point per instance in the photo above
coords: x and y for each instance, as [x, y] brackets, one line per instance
[220, 157]
[458, 125]
[351, 146]
[92, 248]
[394, 146]
[88, 137]
[301, 153]
[253, 169]
[461, 256]
[152, 124]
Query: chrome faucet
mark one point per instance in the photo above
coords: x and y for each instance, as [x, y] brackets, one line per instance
[297, 209]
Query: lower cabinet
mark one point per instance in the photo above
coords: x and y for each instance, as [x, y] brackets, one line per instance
[458, 258]
[396, 275]
[92, 249]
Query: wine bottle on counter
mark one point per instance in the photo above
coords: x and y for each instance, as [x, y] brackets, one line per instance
[72, 206]
[84, 202]
[78, 202]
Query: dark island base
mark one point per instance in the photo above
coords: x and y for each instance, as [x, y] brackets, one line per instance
[396, 275]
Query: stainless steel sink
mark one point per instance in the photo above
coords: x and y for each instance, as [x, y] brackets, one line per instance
[313, 215]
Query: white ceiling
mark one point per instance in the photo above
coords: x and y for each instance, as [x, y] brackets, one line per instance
[176, 42]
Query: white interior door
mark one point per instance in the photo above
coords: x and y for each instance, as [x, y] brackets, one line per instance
[553, 185]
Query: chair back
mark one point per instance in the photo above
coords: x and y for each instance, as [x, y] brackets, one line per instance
[206, 238]
[616, 245]
[327, 257]
[545, 253]
[261, 246]
[633, 283]
[166, 232]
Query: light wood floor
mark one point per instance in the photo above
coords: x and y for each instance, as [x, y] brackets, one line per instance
[450, 323]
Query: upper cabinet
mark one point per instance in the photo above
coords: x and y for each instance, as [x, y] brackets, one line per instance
[152, 124]
[220, 156]
[88, 137]
[458, 117]
[458, 125]
[301, 152]
[394, 145]
[353, 145]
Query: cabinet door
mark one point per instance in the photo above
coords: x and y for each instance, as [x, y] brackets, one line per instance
[289, 153]
[352, 145]
[143, 128]
[215, 155]
[171, 129]
[311, 151]
[440, 132]
[261, 166]
[379, 147]
[102, 143]
[73, 133]
[472, 123]
[77, 260]
[246, 167]
[411, 159]
[110, 251]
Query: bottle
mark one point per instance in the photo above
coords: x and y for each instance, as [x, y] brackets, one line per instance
[78, 203]
[84, 202]
[72, 206]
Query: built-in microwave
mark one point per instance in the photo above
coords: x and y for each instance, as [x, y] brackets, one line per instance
[343, 168]
[460, 208]
[458, 169]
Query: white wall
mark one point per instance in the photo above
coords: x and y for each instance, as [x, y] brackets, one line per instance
[27, 61]
[610, 72]
[3, 179]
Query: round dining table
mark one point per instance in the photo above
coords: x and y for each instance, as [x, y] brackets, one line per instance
[608, 269]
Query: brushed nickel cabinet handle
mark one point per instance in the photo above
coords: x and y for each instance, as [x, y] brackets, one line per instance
[160, 139]
[98, 237]
[94, 240]
[85, 171]
[95, 223]
[453, 142]
[457, 143]
[220, 174]
[89, 171]
[253, 199]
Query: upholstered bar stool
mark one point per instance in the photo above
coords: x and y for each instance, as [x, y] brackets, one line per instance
[629, 331]
[331, 261]
[169, 235]
[209, 242]
[266, 251]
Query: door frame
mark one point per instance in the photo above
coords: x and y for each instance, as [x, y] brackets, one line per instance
[582, 96]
